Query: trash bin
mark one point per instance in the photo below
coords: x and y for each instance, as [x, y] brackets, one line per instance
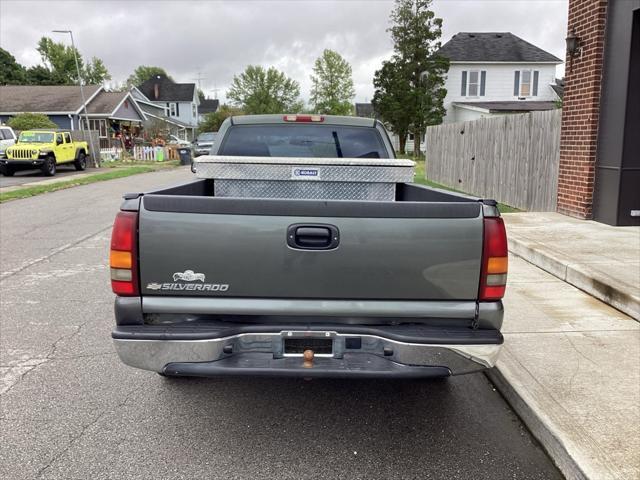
[185, 156]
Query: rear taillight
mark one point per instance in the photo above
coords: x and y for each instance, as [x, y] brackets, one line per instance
[493, 279]
[303, 118]
[123, 254]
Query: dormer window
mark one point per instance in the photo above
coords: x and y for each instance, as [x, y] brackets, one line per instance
[473, 83]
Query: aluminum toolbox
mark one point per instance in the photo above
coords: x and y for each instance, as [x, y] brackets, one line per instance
[305, 178]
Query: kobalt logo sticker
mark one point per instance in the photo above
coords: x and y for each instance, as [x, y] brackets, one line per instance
[306, 173]
[189, 276]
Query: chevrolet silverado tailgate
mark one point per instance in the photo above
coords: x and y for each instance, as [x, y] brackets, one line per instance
[306, 249]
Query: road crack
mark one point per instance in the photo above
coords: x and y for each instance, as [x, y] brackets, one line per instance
[47, 358]
[84, 430]
[55, 251]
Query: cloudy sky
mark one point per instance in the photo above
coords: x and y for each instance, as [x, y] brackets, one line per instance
[216, 39]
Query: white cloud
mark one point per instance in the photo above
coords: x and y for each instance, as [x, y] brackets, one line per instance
[219, 38]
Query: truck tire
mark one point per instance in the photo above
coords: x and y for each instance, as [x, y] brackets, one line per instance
[81, 162]
[7, 171]
[49, 166]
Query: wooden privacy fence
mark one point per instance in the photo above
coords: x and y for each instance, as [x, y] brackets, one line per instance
[512, 158]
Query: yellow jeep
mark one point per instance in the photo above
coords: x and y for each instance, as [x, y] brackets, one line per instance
[44, 149]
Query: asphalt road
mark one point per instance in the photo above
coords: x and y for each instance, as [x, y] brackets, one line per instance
[70, 409]
[28, 176]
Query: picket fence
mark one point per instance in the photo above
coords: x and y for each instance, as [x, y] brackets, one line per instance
[141, 153]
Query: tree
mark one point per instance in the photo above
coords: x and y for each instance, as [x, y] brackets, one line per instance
[28, 121]
[143, 73]
[11, 72]
[41, 75]
[392, 99]
[415, 72]
[416, 33]
[213, 120]
[257, 90]
[95, 72]
[332, 91]
[60, 60]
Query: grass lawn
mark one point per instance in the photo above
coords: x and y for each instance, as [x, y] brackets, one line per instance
[124, 170]
[420, 178]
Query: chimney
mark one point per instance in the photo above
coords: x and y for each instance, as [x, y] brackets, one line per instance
[156, 91]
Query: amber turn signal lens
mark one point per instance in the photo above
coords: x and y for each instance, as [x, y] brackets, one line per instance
[497, 265]
[119, 259]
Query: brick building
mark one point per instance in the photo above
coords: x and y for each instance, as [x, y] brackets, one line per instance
[599, 174]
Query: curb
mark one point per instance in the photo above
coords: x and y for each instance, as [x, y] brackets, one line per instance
[579, 276]
[539, 426]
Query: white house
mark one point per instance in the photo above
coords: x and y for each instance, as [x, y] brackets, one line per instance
[180, 100]
[495, 73]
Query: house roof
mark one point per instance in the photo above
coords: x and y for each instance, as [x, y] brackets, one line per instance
[558, 87]
[508, 106]
[106, 102]
[365, 110]
[62, 99]
[493, 47]
[208, 105]
[167, 90]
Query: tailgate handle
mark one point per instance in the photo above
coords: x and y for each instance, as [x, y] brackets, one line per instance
[313, 236]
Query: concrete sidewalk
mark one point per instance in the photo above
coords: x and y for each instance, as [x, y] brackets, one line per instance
[570, 368]
[603, 261]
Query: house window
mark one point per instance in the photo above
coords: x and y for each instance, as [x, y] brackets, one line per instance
[526, 83]
[173, 110]
[193, 110]
[100, 126]
[473, 83]
[474, 77]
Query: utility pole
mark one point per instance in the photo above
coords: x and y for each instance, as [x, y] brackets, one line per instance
[199, 79]
[84, 101]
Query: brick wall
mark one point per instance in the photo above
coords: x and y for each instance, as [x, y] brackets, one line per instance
[580, 109]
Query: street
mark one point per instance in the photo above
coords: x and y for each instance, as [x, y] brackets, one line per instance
[70, 409]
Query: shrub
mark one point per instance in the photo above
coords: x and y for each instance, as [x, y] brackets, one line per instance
[29, 121]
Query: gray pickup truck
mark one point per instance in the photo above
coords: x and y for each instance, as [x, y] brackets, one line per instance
[209, 285]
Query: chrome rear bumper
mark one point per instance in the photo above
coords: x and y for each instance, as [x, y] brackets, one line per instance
[263, 354]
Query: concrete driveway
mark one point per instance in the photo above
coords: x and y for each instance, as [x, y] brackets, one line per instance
[70, 409]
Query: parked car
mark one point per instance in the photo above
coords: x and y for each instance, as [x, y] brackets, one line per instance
[409, 287]
[7, 138]
[44, 149]
[179, 141]
[204, 143]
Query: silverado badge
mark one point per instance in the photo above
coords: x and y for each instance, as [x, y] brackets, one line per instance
[189, 276]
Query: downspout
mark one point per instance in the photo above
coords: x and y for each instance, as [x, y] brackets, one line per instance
[71, 119]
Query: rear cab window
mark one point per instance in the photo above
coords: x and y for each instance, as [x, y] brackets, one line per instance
[320, 141]
[67, 138]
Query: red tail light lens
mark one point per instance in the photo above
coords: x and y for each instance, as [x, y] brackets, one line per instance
[123, 255]
[493, 278]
